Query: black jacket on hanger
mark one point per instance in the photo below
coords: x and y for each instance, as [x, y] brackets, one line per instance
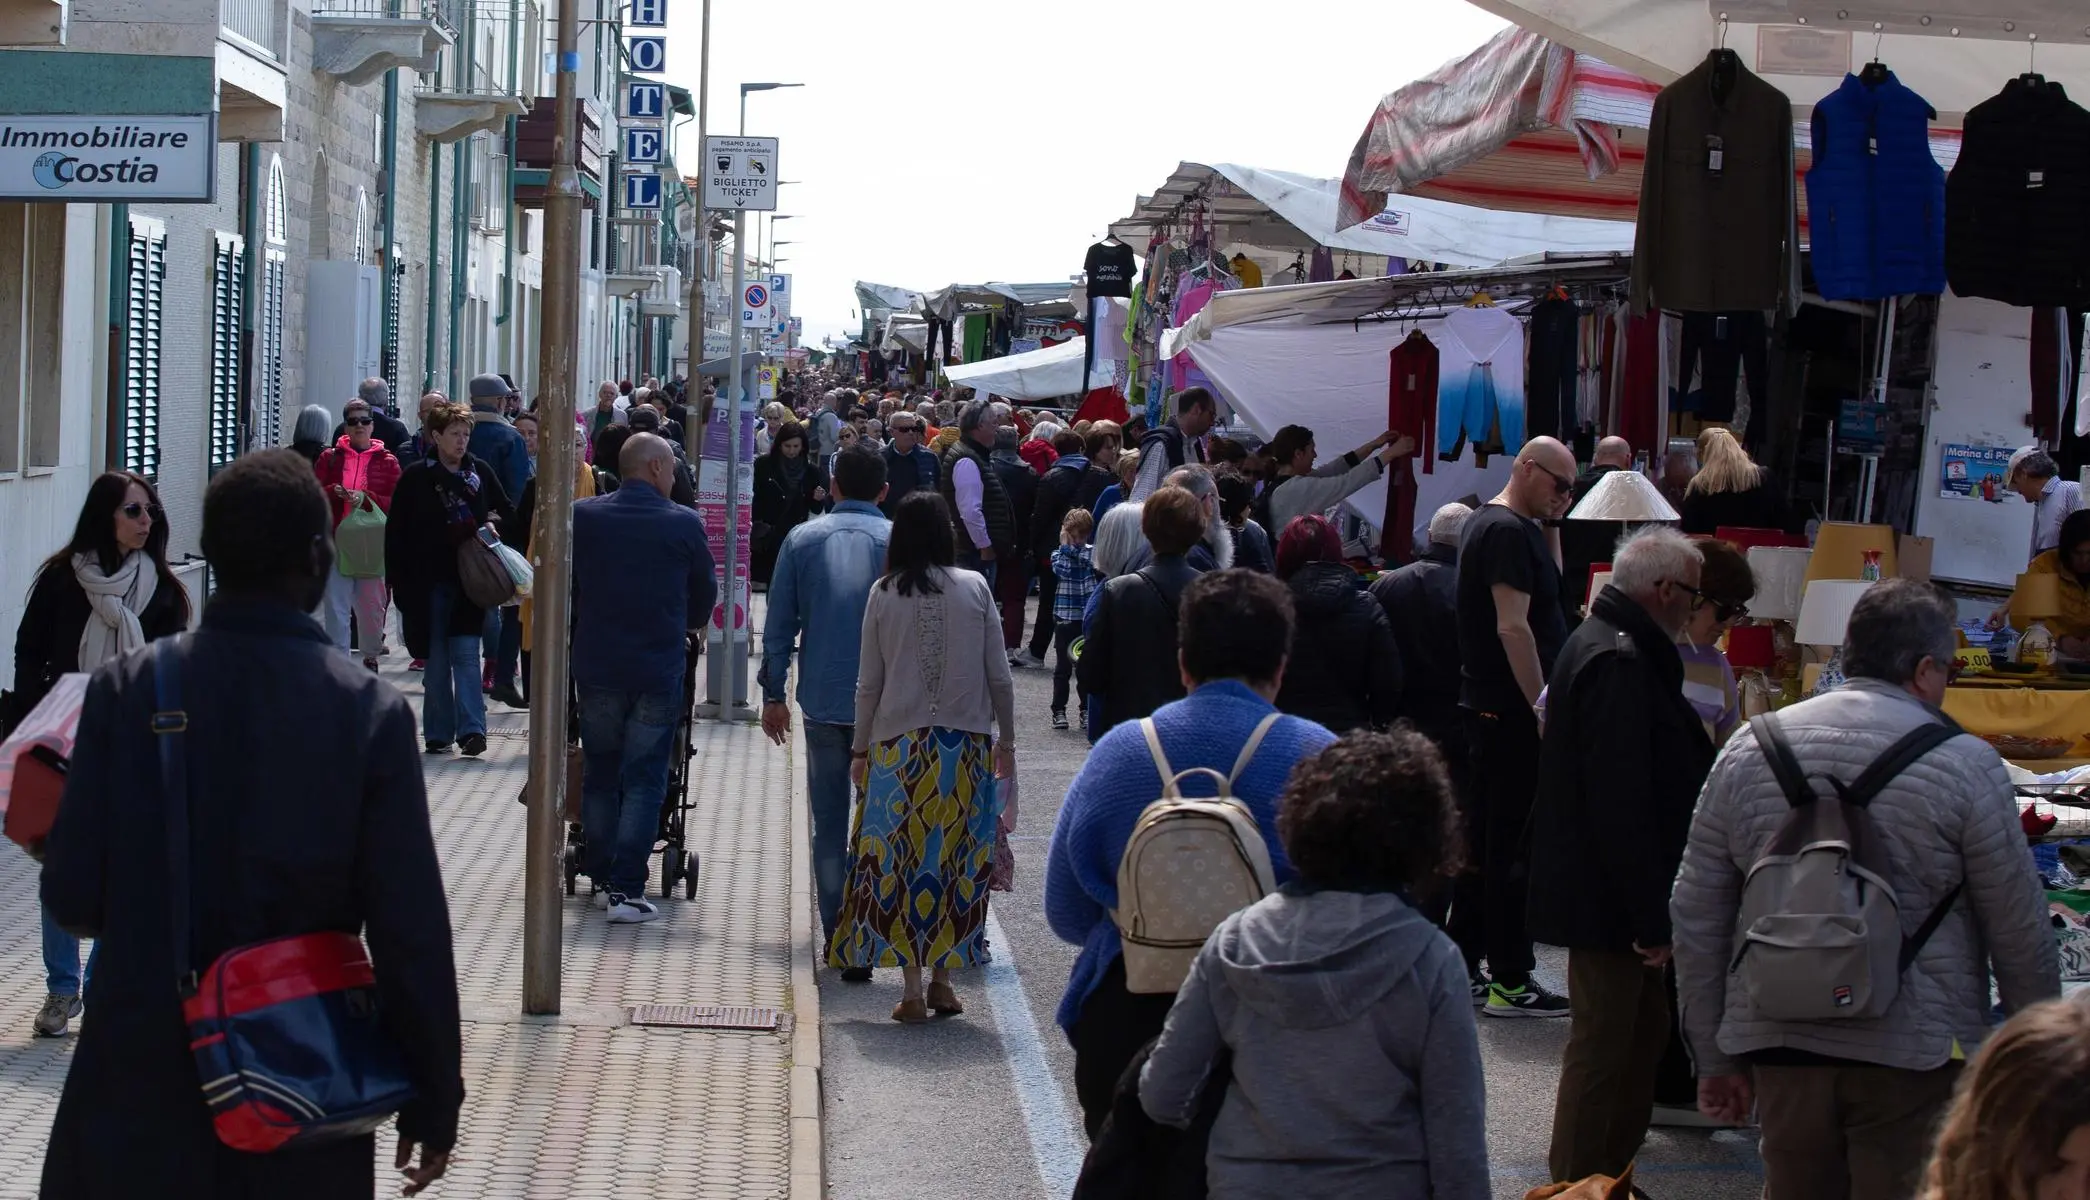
[2017, 204]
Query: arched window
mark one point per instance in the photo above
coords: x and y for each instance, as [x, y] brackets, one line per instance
[275, 256]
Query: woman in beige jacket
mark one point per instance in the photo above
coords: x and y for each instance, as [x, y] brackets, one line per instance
[932, 684]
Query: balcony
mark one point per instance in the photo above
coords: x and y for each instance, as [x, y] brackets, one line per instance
[667, 297]
[491, 72]
[33, 22]
[533, 154]
[357, 41]
[253, 95]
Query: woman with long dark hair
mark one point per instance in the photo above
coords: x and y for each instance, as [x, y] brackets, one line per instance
[790, 489]
[108, 592]
[1345, 667]
[932, 686]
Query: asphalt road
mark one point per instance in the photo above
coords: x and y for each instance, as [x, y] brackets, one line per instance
[984, 1103]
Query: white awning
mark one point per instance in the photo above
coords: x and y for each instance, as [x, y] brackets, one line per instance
[1039, 375]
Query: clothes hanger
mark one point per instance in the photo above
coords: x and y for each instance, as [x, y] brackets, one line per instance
[1875, 72]
[1726, 66]
[1480, 300]
[2032, 78]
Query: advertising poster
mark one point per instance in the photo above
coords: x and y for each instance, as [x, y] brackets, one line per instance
[1974, 472]
[711, 505]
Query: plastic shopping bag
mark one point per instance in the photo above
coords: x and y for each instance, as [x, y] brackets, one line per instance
[518, 569]
[359, 541]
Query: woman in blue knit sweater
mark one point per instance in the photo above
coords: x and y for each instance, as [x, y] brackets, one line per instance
[1235, 629]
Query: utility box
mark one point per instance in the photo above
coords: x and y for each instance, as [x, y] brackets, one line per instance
[344, 305]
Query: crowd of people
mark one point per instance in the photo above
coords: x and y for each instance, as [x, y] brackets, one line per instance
[1421, 776]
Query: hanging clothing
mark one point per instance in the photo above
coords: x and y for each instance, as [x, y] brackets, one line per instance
[1639, 389]
[1110, 267]
[1246, 271]
[1716, 225]
[2053, 366]
[1480, 391]
[1322, 269]
[1718, 345]
[1554, 377]
[1411, 398]
[2014, 203]
[1875, 195]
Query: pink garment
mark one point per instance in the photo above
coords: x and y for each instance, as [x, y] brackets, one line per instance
[1189, 303]
[355, 465]
[966, 485]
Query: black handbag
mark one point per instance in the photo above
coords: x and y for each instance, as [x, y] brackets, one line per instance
[481, 575]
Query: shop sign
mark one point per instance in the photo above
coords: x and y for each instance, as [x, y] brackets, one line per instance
[754, 306]
[647, 55]
[649, 14]
[644, 146]
[740, 174]
[645, 101]
[1974, 472]
[641, 190]
[67, 159]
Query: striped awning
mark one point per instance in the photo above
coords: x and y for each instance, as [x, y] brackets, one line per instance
[1527, 125]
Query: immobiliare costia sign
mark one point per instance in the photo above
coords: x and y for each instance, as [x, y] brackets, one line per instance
[85, 159]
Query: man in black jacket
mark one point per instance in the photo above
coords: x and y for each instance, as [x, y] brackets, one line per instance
[1621, 764]
[1174, 442]
[980, 505]
[908, 463]
[321, 825]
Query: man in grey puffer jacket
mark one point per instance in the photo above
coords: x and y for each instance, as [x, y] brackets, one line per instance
[1847, 1106]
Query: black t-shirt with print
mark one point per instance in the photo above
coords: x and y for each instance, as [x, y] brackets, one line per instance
[1498, 546]
[1110, 267]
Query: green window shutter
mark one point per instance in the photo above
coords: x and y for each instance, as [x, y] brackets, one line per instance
[227, 300]
[141, 401]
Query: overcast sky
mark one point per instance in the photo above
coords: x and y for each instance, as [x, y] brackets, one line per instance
[958, 141]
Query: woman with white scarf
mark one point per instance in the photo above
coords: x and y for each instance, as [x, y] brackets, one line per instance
[107, 593]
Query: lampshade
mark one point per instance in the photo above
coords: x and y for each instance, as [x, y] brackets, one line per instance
[1624, 496]
[1840, 546]
[2037, 597]
[1750, 647]
[1825, 611]
[1781, 575]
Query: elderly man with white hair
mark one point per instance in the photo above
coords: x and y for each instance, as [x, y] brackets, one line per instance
[1620, 765]
[1215, 551]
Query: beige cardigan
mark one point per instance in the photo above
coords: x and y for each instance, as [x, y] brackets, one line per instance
[933, 659]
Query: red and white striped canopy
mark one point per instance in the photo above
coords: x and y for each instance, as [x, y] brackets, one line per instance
[1528, 125]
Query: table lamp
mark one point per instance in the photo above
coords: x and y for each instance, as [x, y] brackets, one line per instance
[1624, 496]
[1825, 616]
[1781, 576]
[1840, 546]
[2036, 598]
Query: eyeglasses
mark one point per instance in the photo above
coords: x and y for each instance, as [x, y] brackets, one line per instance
[1723, 610]
[134, 510]
[356, 421]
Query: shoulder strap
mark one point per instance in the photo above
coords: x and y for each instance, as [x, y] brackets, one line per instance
[1893, 761]
[1255, 742]
[1160, 595]
[1914, 944]
[170, 725]
[1168, 773]
[1778, 752]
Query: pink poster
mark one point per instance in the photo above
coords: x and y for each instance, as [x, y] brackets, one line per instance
[711, 505]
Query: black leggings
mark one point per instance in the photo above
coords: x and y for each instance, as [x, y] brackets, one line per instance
[1063, 635]
[1113, 1025]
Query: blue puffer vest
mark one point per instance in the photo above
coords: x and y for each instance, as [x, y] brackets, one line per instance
[1875, 196]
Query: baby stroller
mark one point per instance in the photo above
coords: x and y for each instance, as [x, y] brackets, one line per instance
[678, 863]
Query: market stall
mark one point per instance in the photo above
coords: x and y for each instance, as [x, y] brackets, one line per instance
[1048, 374]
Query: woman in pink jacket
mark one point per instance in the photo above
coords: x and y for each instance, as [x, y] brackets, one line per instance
[358, 474]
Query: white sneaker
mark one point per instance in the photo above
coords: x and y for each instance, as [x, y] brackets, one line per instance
[631, 910]
[1024, 658]
[600, 900]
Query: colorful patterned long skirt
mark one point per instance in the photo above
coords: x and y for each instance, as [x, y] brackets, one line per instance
[924, 850]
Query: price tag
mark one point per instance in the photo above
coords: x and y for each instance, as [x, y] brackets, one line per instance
[1715, 154]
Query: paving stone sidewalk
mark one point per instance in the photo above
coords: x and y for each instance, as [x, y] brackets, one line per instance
[584, 1104]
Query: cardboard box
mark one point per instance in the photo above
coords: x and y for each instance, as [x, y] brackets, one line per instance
[1913, 555]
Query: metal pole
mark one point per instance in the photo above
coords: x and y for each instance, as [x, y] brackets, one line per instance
[693, 431]
[737, 393]
[544, 851]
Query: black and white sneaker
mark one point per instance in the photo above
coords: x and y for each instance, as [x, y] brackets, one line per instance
[1479, 982]
[1530, 1000]
[631, 910]
[1059, 718]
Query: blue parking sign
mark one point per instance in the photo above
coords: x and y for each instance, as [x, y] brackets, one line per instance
[641, 190]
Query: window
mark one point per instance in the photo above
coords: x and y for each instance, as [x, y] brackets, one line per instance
[269, 335]
[145, 289]
[32, 303]
[228, 294]
[394, 266]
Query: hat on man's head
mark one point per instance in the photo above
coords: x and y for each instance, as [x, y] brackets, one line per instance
[490, 387]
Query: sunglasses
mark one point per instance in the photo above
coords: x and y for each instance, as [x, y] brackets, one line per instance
[1562, 484]
[134, 510]
[357, 421]
[1723, 610]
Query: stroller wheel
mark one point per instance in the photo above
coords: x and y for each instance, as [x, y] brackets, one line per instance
[689, 877]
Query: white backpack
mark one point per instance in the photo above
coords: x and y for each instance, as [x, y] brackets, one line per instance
[1190, 864]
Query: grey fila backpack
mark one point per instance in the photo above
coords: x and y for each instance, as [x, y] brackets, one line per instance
[1819, 933]
[1190, 863]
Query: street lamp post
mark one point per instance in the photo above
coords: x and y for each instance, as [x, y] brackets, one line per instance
[732, 701]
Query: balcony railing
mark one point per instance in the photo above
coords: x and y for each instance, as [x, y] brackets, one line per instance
[257, 21]
[449, 14]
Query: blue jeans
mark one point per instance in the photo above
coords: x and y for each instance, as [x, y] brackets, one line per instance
[62, 973]
[452, 705]
[830, 794]
[969, 558]
[502, 644]
[626, 738]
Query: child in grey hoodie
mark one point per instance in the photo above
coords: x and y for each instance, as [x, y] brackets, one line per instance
[1356, 1067]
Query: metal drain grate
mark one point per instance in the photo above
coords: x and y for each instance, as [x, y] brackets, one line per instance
[522, 734]
[708, 1016]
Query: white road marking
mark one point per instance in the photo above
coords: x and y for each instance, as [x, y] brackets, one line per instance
[1056, 1142]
